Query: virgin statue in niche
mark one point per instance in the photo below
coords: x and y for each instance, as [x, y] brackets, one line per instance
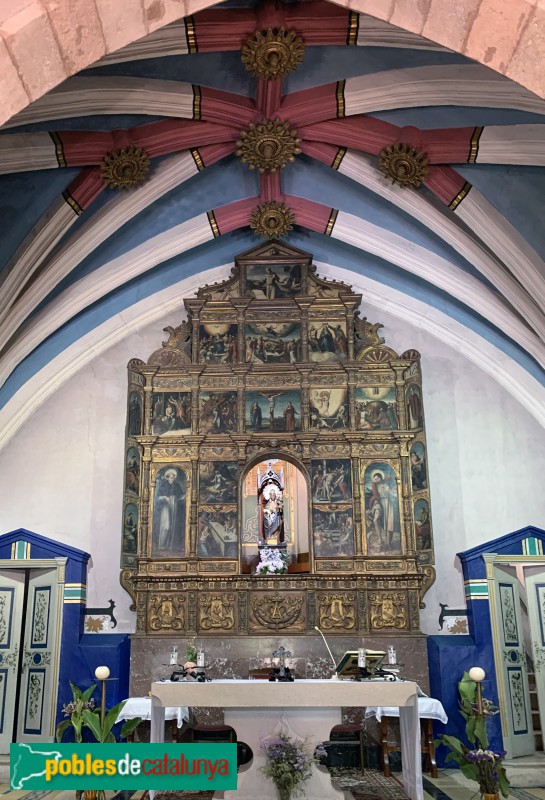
[271, 506]
[169, 513]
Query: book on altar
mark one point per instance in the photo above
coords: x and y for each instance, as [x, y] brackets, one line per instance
[348, 665]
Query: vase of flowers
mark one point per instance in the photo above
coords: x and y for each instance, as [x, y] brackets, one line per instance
[478, 762]
[289, 763]
[272, 562]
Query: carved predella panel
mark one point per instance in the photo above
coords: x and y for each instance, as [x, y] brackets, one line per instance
[388, 610]
[217, 612]
[277, 611]
[166, 612]
[336, 611]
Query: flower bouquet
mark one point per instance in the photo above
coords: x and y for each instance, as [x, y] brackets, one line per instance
[289, 763]
[272, 561]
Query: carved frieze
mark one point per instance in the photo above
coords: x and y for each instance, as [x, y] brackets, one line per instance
[217, 611]
[277, 611]
[337, 611]
[388, 610]
[166, 612]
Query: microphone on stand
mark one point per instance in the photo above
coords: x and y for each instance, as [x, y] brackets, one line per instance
[334, 677]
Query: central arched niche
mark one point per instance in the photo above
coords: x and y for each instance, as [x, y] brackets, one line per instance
[295, 508]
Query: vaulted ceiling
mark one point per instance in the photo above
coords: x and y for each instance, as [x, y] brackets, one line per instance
[82, 263]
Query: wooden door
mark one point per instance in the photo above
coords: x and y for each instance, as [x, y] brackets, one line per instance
[511, 669]
[36, 712]
[12, 597]
[535, 589]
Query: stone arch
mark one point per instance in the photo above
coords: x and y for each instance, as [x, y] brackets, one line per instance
[43, 42]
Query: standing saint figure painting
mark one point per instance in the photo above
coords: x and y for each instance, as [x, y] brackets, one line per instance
[382, 510]
[169, 512]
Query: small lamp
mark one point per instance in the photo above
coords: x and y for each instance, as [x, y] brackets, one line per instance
[477, 674]
[102, 674]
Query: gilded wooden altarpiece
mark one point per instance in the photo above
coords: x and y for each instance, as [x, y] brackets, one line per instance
[276, 363]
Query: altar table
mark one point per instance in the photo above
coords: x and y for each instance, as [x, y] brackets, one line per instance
[306, 709]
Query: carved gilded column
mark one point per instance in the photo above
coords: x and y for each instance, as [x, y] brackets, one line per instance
[400, 396]
[352, 416]
[356, 493]
[410, 535]
[193, 510]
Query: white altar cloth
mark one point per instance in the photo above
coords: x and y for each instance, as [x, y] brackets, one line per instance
[306, 709]
[141, 707]
[428, 708]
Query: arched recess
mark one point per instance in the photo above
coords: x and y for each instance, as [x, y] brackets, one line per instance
[273, 454]
[42, 44]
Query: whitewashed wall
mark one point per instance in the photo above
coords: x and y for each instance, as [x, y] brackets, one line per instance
[62, 474]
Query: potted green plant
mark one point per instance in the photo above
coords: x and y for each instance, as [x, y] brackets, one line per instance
[477, 762]
[82, 713]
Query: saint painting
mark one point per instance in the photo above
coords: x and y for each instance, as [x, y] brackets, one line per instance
[422, 525]
[130, 528]
[169, 513]
[382, 510]
[419, 478]
[132, 472]
[414, 408]
[135, 414]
